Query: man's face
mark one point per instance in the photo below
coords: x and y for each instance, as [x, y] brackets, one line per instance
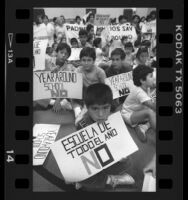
[83, 39]
[99, 113]
[87, 63]
[62, 55]
[116, 61]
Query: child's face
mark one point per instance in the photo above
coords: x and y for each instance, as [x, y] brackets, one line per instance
[150, 81]
[74, 45]
[143, 57]
[83, 39]
[123, 21]
[87, 63]
[45, 20]
[99, 113]
[116, 61]
[62, 55]
[91, 32]
[128, 50]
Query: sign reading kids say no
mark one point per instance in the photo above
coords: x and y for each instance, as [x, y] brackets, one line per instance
[88, 151]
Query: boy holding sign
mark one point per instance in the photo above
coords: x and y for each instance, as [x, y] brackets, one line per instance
[118, 66]
[138, 107]
[91, 73]
[98, 99]
[63, 52]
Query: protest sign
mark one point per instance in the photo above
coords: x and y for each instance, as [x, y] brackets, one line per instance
[75, 54]
[45, 135]
[93, 148]
[149, 27]
[72, 30]
[149, 184]
[39, 53]
[101, 20]
[116, 32]
[120, 84]
[62, 84]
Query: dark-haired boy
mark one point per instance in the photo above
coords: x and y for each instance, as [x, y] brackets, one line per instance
[61, 64]
[138, 107]
[118, 66]
[91, 73]
[83, 37]
[98, 100]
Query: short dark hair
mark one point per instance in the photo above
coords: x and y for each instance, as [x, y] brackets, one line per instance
[118, 51]
[146, 43]
[96, 42]
[88, 51]
[73, 40]
[128, 44]
[140, 73]
[91, 14]
[54, 19]
[98, 93]
[141, 50]
[134, 16]
[83, 32]
[77, 17]
[49, 50]
[62, 46]
[89, 27]
[121, 17]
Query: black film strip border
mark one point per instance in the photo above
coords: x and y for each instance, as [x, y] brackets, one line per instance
[22, 107]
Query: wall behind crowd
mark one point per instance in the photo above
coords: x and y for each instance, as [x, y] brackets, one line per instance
[73, 12]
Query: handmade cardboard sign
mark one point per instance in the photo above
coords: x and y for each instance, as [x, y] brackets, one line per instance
[62, 84]
[92, 149]
[120, 84]
[39, 53]
[101, 20]
[45, 135]
[116, 32]
[75, 54]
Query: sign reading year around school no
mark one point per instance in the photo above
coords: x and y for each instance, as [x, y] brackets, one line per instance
[62, 84]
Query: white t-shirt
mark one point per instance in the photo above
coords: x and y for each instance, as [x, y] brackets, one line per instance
[40, 31]
[134, 101]
[99, 56]
[60, 30]
[50, 31]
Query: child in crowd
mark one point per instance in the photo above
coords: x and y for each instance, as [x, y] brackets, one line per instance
[122, 19]
[90, 19]
[138, 107]
[129, 52]
[49, 57]
[118, 66]
[54, 47]
[97, 43]
[91, 75]
[83, 37]
[60, 64]
[98, 100]
[142, 57]
[74, 43]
